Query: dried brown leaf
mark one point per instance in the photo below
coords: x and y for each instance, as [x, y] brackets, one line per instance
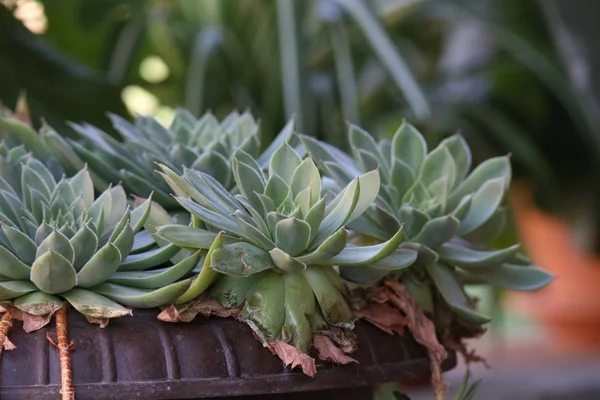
[294, 357]
[22, 110]
[8, 345]
[103, 322]
[423, 330]
[344, 338]
[32, 323]
[203, 307]
[328, 351]
[385, 317]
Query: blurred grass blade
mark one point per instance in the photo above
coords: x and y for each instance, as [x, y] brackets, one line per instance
[206, 43]
[124, 50]
[389, 56]
[289, 45]
[346, 78]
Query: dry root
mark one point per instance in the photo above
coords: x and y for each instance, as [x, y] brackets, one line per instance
[64, 349]
[5, 325]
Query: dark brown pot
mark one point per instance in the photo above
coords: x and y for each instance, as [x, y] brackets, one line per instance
[142, 358]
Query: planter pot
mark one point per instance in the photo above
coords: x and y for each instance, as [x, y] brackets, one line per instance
[570, 306]
[142, 358]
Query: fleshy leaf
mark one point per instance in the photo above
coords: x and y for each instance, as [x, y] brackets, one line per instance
[102, 265]
[142, 298]
[11, 267]
[241, 259]
[38, 303]
[94, 305]
[52, 273]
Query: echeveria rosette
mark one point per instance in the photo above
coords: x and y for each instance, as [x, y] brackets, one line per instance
[203, 144]
[449, 215]
[59, 242]
[280, 240]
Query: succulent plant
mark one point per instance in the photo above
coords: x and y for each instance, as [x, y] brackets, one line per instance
[278, 242]
[59, 241]
[203, 144]
[449, 216]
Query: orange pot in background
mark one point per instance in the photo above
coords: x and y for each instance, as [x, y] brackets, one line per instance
[569, 307]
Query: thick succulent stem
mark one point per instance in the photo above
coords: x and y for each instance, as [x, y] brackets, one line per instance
[64, 350]
[5, 325]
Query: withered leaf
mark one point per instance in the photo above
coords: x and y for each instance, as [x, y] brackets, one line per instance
[32, 323]
[343, 338]
[385, 317]
[189, 311]
[294, 357]
[103, 322]
[328, 351]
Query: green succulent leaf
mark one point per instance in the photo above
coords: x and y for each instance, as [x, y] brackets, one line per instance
[142, 298]
[265, 305]
[94, 305]
[23, 246]
[149, 259]
[102, 265]
[38, 303]
[230, 290]
[464, 257]
[437, 231]
[297, 329]
[461, 154]
[409, 145]
[452, 292]
[13, 289]
[399, 259]
[286, 262]
[292, 235]
[241, 259]
[186, 236]
[332, 246]
[11, 267]
[156, 278]
[284, 162]
[58, 243]
[514, 277]
[52, 273]
[362, 274]
[483, 205]
[359, 255]
[334, 306]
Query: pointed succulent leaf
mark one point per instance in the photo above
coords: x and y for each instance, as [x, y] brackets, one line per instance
[140, 214]
[42, 232]
[463, 207]
[277, 189]
[248, 179]
[102, 265]
[297, 328]
[483, 205]
[206, 276]
[338, 211]
[85, 244]
[324, 152]
[304, 176]
[360, 255]
[470, 259]
[230, 290]
[402, 177]
[149, 259]
[413, 220]
[265, 305]
[253, 234]
[11, 267]
[437, 231]
[461, 154]
[491, 229]
[514, 277]
[156, 278]
[241, 259]
[284, 261]
[362, 141]
[142, 298]
[438, 164]
[334, 306]
[362, 274]
[399, 259]
[284, 162]
[94, 305]
[186, 236]
[22, 245]
[38, 303]
[52, 273]
[212, 218]
[292, 235]
[82, 184]
[12, 289]
[498, 167]
[409, 145]
[284, 136]
[452, 292]
[332, 246]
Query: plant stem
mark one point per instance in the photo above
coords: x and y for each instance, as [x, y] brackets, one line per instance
[64, 349]
[437, 380]
[5, 325]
